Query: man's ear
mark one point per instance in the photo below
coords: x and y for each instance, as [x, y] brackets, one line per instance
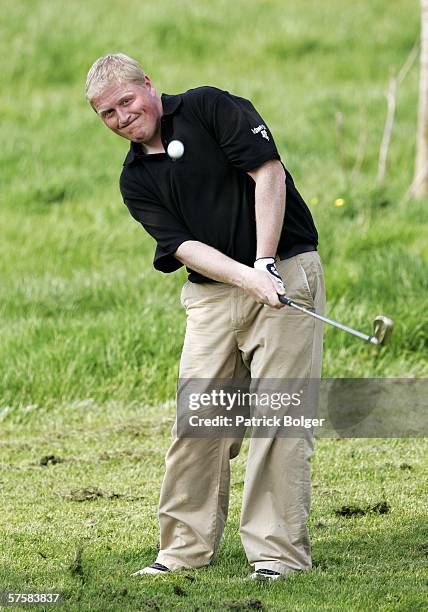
[148, 83]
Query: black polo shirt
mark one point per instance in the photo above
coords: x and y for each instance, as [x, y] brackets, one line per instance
[207, 194]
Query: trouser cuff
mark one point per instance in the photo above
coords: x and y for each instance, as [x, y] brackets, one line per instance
[173, 564]
[278, 566]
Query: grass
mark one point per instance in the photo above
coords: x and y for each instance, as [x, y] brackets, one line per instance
[91, 334]
[87, 549]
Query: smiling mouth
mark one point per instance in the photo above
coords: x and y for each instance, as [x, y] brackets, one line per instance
[128, 124]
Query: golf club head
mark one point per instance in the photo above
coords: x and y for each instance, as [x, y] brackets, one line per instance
[382, 328]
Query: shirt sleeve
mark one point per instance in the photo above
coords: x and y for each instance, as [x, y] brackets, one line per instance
[165, 227]
[242, 133]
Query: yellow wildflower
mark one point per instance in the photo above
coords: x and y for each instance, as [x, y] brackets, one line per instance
[339, 202]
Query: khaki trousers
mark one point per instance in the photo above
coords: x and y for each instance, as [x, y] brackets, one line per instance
[230, 335]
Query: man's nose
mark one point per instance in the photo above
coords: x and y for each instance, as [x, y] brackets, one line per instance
[123, 116]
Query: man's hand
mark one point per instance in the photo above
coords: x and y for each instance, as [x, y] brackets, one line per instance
[264, 282]
[268, 264]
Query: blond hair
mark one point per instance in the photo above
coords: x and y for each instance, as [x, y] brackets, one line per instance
[114, 68]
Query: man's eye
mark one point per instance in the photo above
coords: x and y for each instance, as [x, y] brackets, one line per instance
[125, 102]
[108, 114]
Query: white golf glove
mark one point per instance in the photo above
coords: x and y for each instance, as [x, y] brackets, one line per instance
[267, 264]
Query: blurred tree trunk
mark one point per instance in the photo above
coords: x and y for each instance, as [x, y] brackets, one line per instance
[420, 181]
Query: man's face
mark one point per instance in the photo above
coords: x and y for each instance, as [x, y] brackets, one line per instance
[131, 110]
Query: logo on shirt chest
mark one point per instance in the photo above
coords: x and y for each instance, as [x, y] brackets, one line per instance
[262, 129]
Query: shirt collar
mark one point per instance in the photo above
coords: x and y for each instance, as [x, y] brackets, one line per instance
[170, 104]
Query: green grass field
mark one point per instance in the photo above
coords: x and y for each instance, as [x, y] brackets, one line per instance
[91, 334]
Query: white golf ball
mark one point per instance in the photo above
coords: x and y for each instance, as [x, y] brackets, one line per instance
[175, 149]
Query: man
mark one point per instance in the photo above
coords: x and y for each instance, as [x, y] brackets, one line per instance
[219, 210]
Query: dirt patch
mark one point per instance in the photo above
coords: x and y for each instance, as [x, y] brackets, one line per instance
[352, 510]
[177, 590]
[381, 508]
[50, 460]
[92, 493]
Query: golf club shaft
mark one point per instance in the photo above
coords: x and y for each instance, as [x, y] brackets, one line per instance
[285, 300]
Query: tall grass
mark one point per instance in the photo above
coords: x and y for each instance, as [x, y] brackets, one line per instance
[83, 314]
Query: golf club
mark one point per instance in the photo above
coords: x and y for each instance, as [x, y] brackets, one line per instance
[382, 326]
